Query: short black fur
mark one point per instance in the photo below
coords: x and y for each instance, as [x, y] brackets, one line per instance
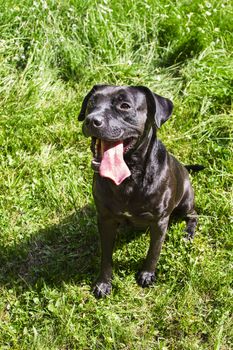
[158, 186]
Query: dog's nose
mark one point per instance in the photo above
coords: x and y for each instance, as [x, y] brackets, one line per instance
[96, 121]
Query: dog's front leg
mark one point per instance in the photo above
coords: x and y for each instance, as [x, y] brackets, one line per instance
[157, 235]
[107, 230]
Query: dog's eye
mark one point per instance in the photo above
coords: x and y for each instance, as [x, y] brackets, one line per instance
[124, 105]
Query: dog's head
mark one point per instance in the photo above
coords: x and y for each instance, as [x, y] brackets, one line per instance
[116, 117]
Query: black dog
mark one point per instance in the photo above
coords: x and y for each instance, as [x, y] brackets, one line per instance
[135, 177]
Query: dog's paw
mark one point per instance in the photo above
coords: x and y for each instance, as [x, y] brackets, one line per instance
[102, 289]
[145, 278]
[189, 236]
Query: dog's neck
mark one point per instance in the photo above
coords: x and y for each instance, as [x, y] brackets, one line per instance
[139, 158]
[149, 138]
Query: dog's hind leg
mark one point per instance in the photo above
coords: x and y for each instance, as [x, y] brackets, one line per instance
[186, 211]
[191, 219]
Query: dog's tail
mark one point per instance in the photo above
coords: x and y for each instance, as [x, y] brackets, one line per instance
[194, 167]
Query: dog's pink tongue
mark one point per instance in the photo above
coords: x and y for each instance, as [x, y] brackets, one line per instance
[113, 165]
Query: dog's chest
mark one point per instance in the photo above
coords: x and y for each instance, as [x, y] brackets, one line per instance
[139, 219]
[126, 203]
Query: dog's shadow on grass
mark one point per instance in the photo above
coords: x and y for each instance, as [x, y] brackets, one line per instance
[68, 251]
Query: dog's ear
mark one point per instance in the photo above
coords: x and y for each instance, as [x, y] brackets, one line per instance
[159, 108]
[81, 116]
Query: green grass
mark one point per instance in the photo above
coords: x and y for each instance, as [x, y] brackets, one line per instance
[51, 54]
